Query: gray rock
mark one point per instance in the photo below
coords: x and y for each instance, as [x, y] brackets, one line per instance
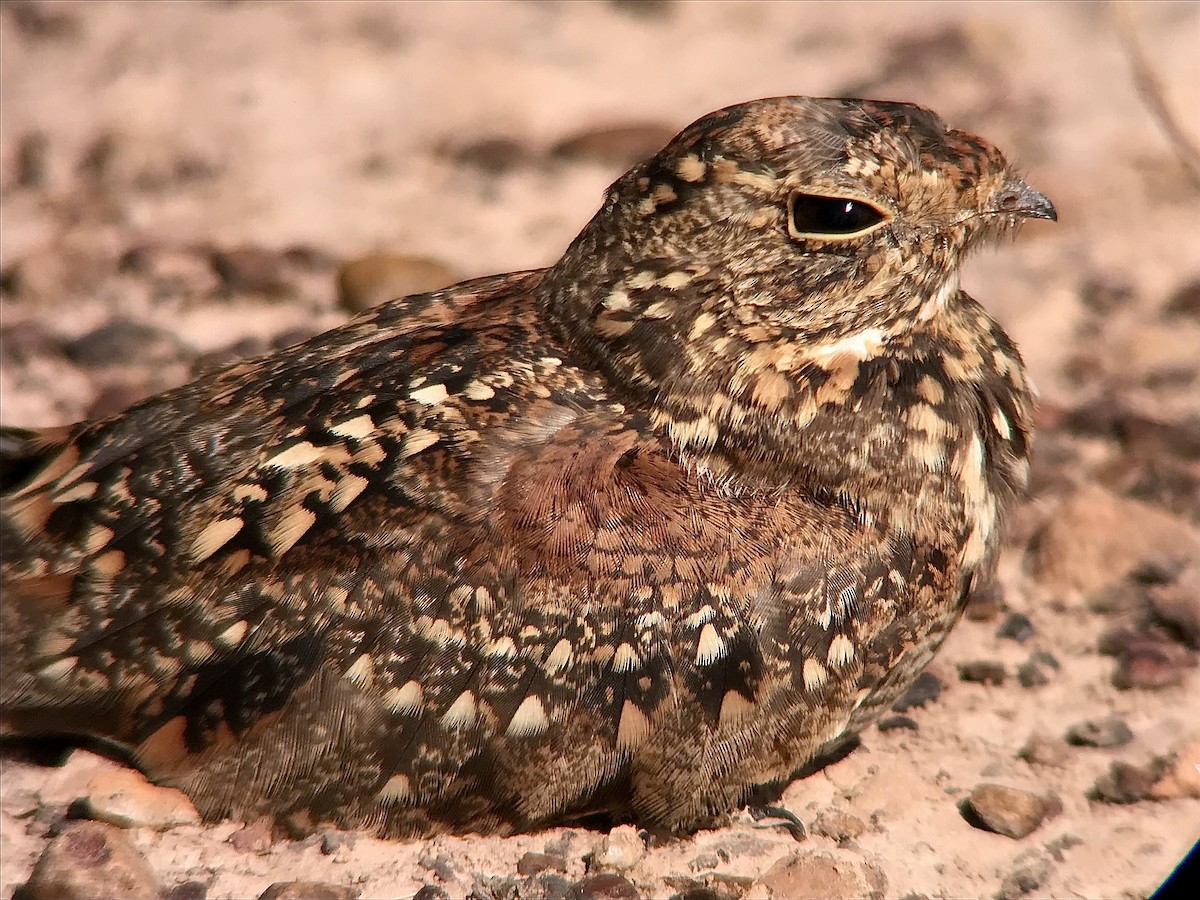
[1108, 732]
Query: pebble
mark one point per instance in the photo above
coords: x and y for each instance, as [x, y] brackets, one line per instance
[1098, 538]
[615, 145]
[366, 282]
[895, 723]
[431, 892]
[606, 886]
[1108, 732]
[1145, 662]
[51, 274]
[122, 341]
[533, 863]
[924, 689]
[492, 155]
[1030, 871]
[252, 270]
[188, 890]
[332, 841]
[620, 850]
[704, 862]
[1185, 301]
[838, 825]
[1016, 627]
[124, 798]
[24, 341]
[308, 890]
[1126, 783]
[985, 603]
[1009, 811]
[1181, 776]
[808, 876]
[1036, 671]
[253, 837]
[91, 861]
[1177, 606]
[1043, 750]
[982, 671]
[439, 865]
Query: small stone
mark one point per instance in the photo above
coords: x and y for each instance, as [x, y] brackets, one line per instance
[309, 890]
[1177, 606]
[492, 155]
[333, 841]
[188, 890]
[982, 671]
[431, 892]
[607, 886]
[253, 837]
[645, 9]
[252, 270]
[1147, 663]
[31, 165]
[1108, 732]
[1105, 294]
[1097, 538]
[838, 825]
[121, 341]
[24, 341]
[1043, 750]
[620, 850]
[1185, 301]
[39, 22]
[533, 863]
[1122, 596]
[896, 723]
[1063, 842]
[1126, 783]
[88, 860]
[439, 865]
[1181, 775]
[370, 280]
[1030, 871]
[1016, 627]
[809, 876]
[124, 798]
[615, 145]
[1030, 674]
[985, 603]
[1009, 811]
[924, 689]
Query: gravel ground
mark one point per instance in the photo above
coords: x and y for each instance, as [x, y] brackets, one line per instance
[183, 183]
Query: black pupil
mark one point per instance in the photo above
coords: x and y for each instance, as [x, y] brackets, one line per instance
[831, 215]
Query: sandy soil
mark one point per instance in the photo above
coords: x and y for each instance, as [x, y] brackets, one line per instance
[140, 144]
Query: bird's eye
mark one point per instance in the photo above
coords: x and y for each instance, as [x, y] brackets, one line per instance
[830, 218]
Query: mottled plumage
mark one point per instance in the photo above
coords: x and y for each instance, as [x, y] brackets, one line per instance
[635, 533]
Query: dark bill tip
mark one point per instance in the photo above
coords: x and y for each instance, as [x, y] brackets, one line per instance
[1019, 199]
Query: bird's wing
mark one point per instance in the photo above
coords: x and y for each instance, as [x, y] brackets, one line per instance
[136, 546]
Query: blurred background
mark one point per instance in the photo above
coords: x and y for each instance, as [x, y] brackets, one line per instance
[142, 144]
[184, 183]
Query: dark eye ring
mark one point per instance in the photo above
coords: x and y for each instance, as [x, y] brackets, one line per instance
[831, 218]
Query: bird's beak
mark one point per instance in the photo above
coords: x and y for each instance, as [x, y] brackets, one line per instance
[1017, 198]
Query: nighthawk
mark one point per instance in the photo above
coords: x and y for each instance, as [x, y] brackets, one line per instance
[632, 535]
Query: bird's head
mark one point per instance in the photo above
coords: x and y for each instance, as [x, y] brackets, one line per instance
[778, 234]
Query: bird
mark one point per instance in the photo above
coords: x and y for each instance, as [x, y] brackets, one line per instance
[635, 535]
